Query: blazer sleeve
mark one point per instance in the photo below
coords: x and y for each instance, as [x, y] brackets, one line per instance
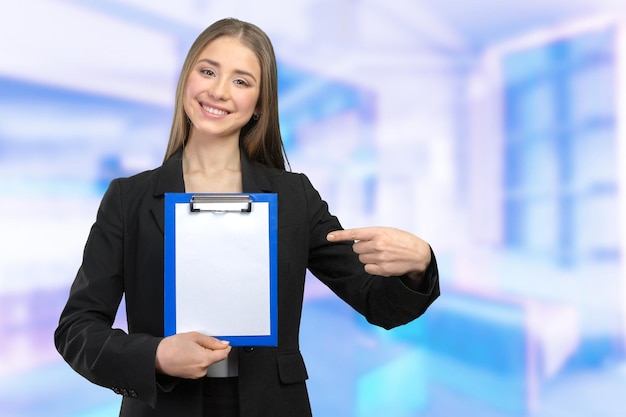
[383, 301]
[85, 337]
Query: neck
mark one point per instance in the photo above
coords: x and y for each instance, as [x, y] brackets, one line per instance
[212, 166]
[203, 153]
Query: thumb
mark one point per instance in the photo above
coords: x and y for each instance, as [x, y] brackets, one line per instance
[212, 343]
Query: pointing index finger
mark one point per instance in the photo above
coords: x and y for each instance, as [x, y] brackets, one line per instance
[364, 233]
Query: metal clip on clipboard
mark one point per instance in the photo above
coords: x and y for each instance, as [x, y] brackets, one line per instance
[221, 203]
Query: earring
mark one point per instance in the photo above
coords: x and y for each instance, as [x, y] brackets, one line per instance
[255, 117]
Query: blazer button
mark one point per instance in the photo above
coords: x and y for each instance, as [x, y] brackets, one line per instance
[132, 393]
[248, 349]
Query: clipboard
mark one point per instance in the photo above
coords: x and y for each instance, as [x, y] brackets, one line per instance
[221, 266]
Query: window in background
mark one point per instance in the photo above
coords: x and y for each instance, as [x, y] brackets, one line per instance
[560, 156]
[561, 198]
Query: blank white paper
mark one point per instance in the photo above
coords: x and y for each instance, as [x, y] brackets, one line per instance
[223, 271]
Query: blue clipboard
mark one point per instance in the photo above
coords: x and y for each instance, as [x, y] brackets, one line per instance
[221, 266]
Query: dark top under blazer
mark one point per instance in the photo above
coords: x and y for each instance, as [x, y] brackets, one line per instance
[124, 255]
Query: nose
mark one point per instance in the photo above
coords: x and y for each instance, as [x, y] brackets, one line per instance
[219, 89]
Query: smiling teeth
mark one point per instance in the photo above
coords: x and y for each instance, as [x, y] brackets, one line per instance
[215, 111]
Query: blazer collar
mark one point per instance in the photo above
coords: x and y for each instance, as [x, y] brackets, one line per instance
[254, 178]
[170, 176]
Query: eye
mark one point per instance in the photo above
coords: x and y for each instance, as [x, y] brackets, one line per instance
[208, 72]
[241, 82]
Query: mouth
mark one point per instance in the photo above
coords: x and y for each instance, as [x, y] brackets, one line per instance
[213, 110]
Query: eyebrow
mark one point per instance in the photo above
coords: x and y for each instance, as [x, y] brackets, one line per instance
[237, 71]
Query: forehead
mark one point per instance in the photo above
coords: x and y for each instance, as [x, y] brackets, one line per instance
[231, 53]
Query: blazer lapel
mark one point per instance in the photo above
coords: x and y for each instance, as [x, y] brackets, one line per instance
[254, 177]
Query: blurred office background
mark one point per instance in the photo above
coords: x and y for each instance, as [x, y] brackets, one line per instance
[494, 130]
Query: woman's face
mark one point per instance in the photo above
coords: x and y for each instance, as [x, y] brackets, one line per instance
[222, 89]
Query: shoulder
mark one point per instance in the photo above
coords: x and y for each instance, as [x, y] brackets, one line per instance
[296, 186]
[140, 180]
[295, 189]
[287, 179]
[134, 190]
[167, 177]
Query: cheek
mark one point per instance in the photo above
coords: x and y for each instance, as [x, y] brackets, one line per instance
[192, 88]
[252, 102]
[186, 104]
[188, 93]
[188, 98]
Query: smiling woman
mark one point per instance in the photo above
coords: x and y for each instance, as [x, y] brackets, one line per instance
[225, 138]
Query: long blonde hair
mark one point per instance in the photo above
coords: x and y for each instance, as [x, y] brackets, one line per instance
[260, 139]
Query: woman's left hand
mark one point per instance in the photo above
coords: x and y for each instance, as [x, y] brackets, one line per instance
[387, 251]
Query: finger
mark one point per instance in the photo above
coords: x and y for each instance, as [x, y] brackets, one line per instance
[362, 247]
[374, 269]
[362, 233]
[370, 258]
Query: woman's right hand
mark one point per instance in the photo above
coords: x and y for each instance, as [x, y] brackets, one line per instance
[188, 355]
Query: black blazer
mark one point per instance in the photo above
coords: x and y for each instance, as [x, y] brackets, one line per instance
[124, 256]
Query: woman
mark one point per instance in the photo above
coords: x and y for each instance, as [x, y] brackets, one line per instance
[225, 137]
